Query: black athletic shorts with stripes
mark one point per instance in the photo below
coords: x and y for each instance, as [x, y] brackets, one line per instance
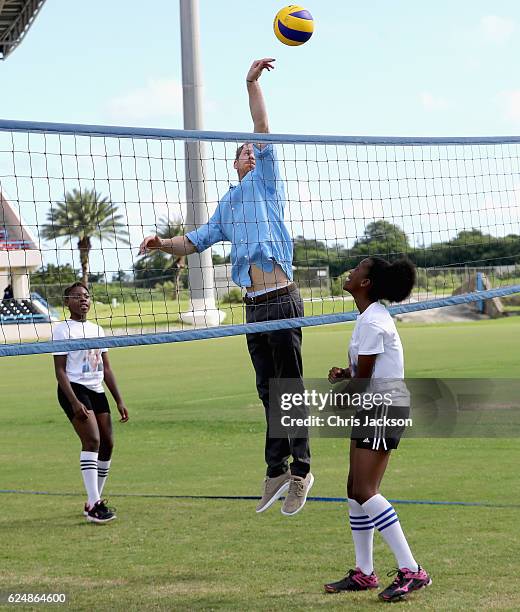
[376, 430]
[97, 402]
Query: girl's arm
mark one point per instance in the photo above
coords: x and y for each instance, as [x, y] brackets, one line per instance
[365, 366]
[364, 371]
[110, 381]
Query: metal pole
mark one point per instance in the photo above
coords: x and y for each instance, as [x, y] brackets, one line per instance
[200, 265]
[480, 287]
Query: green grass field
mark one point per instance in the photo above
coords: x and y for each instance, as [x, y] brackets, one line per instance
[197, 428]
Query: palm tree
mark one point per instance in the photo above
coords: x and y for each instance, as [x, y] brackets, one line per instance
[172, 265]
[84, 215]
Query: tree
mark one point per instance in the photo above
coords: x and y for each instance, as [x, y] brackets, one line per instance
[382, 238]
[96, 277]
[152, 269]
[120, 277]
[84, 215]
[50, 281]
[472, 248]
[311, 253]
[157, 266]
[219, 259]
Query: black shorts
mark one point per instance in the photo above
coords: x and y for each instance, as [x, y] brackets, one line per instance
[383, 434]
[97, 402]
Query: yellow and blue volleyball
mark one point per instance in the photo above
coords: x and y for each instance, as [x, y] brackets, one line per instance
[293, 25]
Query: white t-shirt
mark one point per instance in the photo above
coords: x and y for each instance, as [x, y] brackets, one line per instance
[375, 334]
[84, 367]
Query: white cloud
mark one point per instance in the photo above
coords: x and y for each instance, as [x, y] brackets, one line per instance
[432, 103]
[158, 99]
[497, 30]
[511, 104]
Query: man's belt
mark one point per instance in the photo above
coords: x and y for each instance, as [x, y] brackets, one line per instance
[269, 295]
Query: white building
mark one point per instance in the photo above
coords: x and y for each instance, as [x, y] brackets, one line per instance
[19, 252]
[21, 318]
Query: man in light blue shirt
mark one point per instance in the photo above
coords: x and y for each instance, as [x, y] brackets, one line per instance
[251, 217]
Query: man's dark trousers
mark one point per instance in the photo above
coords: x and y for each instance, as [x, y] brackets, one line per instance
[277, 355]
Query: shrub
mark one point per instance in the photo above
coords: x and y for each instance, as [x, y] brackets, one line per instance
[233, 297]
[336, 284]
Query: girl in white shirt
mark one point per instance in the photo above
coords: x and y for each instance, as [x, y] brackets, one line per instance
[376, 365]
[80, 376]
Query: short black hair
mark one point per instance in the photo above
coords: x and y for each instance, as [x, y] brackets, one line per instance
[391, 281]
[67, 291]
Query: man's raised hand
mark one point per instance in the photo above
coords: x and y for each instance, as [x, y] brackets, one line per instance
[258, 66]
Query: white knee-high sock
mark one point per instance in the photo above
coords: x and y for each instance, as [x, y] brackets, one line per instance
[88, 465]
[385, 519]
[103, 467]
[362, 529]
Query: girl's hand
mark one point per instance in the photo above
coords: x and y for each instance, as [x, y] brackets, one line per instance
[123, 412]
[80, 411]
[337, 374]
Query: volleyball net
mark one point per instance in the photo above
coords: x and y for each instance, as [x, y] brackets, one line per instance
[76, 201]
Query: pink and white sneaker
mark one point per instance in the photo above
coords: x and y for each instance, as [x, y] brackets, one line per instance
[355, 580]
[405, 582]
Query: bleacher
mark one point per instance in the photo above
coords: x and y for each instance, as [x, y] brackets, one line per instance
[20, 311]
[11, 245]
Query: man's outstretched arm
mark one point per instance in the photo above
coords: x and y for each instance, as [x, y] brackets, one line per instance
[256, 98]
[178, 245]
[193, 242]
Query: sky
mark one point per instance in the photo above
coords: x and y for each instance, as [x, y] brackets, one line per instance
[389, 68]
[379, 68]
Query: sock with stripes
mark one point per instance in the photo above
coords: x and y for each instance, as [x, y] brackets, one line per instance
[89, 472]
[363, 535]
[103, 468]
[386, 521]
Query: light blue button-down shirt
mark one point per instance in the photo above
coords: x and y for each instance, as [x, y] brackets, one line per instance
[250, 216]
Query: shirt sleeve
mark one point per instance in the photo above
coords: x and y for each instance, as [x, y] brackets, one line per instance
[208, 234]
[60, 333]
[371, 340]
[267, 168]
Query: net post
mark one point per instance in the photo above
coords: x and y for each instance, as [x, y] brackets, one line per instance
[200, 265]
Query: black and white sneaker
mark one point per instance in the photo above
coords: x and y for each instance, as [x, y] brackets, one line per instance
[99, 513]
[86, 508]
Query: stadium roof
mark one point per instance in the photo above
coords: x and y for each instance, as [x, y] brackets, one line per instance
[16, 17]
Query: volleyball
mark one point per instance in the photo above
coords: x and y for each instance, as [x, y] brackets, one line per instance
[293, 25]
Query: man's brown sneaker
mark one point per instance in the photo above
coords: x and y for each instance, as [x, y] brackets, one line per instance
[297, 495]
[274, 488]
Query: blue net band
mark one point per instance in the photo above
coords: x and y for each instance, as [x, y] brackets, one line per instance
[41, 127]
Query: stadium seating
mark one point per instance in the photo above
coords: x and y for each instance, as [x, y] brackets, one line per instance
[11, 245]
[20, 311]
